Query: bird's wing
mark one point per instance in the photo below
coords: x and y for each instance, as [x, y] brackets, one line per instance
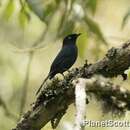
[63, 61]
[60, 59]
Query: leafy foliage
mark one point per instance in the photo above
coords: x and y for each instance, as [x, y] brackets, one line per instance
[68, 25]
[9, 9]
[24, 15]
[69, 19]
[43, 11]
[70, 16]
[91, 5]
[94, 28]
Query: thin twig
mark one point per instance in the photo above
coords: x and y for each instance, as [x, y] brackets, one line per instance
[7, 112]
[26, 80]
[25, 85]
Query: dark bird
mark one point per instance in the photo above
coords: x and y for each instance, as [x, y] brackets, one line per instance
[65, 58]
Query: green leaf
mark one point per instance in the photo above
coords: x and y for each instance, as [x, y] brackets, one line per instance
[91, 5]
[9, 9]
[48, 11]
[94, 28]
[125, 19]
[67, 28]
[37, 7]
[43, 9]
[24, 18]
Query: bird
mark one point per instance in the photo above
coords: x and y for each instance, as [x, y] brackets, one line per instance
[64, 59]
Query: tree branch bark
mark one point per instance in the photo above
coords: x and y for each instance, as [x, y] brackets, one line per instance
[54, 100]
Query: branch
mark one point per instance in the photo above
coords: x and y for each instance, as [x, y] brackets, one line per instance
[80, 103]
[54, 100]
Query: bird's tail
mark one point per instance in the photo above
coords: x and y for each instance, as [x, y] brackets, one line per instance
[42, 84]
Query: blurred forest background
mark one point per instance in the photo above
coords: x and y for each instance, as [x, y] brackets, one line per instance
[31, 33]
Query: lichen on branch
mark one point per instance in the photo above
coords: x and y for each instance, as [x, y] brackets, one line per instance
[57, 95]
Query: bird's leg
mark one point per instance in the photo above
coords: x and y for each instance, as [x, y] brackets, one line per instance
[63, 75]
[68, 71]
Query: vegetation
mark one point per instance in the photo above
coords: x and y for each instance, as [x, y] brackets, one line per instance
[31, 33]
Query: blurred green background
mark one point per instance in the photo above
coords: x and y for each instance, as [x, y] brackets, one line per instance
[31, 33]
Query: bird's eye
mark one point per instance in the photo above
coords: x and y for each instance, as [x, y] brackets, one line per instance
[69, 38]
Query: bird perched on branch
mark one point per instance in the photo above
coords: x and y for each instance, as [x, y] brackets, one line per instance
[65, 58]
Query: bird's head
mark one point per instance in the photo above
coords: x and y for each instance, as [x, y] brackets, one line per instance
[70, 39]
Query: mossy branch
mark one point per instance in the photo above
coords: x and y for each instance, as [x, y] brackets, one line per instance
[54, 100]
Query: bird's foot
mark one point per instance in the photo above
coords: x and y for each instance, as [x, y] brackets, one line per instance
[63, 76]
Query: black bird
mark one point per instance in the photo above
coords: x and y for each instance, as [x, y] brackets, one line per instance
[65, 58]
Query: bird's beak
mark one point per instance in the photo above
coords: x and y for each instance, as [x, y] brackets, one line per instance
[78, 34]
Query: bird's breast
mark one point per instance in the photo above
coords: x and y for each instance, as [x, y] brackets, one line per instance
[72, 51]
